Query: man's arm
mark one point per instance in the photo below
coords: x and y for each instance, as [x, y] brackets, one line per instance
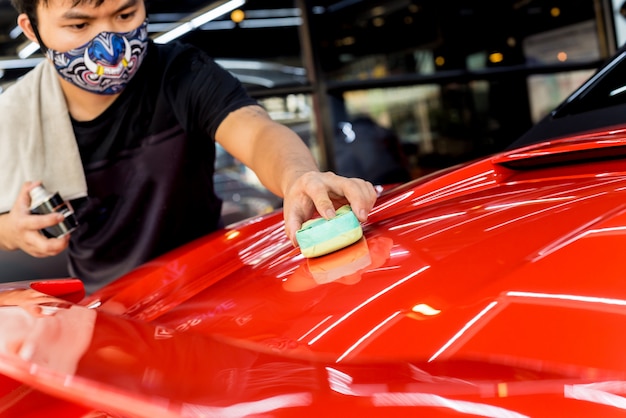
[284, 165]
[19, 229]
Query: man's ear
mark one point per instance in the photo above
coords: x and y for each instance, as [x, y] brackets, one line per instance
[27, 27]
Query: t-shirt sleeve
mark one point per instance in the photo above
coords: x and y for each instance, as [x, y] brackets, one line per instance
[204, 93]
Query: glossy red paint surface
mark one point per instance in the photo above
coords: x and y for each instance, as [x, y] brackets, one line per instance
[482, 291]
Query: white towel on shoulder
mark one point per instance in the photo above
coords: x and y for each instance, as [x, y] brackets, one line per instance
[37, 141]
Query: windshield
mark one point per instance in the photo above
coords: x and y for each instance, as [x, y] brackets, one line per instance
[605, 89]
[600, 103]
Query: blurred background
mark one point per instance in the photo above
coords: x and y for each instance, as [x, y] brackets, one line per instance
[387, 90]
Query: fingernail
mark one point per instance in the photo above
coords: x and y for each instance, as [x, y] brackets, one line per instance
[363, 214]
[330, 214]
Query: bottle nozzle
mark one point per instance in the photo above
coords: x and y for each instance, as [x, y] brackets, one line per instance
[38, 195]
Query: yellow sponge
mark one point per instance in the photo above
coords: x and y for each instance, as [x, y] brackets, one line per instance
[321, 236]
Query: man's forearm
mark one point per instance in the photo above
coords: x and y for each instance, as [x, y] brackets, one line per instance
[281, 158]
[275, 153]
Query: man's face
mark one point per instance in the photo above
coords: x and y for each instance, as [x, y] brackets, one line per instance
[63, 27]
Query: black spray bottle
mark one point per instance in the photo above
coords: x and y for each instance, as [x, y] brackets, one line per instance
[44, 202]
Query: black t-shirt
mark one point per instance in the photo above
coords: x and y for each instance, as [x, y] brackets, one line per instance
[149, 162]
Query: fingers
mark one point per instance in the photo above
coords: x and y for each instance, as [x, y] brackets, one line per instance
[37, 222]
[23, 228]
[320, 188]
[323, 193]
[295, 214]
[39, 246]
[35, 243]
[336, 191]
[361, 195]
[22, 204]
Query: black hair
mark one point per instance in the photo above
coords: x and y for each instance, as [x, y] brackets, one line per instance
[29, 7]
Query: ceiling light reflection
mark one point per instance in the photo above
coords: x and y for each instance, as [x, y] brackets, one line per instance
[241, 64]
[462, 331]
[575, 298]
[271, 23]
[427, 399]
[95, 304]
[13, 64]
[363, 339]
[456, 225]
[425, 309]
[577, 234]
[27, 50]
[339, 381]
[15, 32]
[215, 12]
[392, 202]
[254, 80]
[618, 230]
[528, 202]
[479, 180]
[496, 57]
[260, 407]
[232, 234]
[205, 16]
[175, 33]
[271, 239]
[273, 13]
[365, 303]
[237, 15]
[427, 220]
[319, 324]
[502, 194]
[538, 212]
[614, 230]
[591, 394]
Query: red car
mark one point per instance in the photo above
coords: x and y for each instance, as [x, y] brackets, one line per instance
[493, 289]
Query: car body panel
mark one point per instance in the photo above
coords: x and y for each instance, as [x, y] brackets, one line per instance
[490, 289]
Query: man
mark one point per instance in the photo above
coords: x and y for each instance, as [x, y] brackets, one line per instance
[144, 118]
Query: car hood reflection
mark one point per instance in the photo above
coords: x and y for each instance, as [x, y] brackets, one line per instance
[131, 367]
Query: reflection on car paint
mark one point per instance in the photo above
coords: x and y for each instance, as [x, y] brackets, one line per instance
[344, 266]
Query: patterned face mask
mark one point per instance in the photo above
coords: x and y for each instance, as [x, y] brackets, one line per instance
[105, 64]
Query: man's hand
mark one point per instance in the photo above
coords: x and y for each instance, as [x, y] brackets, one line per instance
[286, 167]
[19, 229]
[323, 193]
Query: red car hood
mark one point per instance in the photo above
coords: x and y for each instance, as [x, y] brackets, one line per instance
[500, 283]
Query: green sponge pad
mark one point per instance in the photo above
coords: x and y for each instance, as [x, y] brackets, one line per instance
[321, 236]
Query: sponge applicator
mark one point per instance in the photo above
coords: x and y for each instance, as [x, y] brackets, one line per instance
[321, 236]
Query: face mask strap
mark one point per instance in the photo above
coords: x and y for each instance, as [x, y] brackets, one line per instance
[33, 23]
